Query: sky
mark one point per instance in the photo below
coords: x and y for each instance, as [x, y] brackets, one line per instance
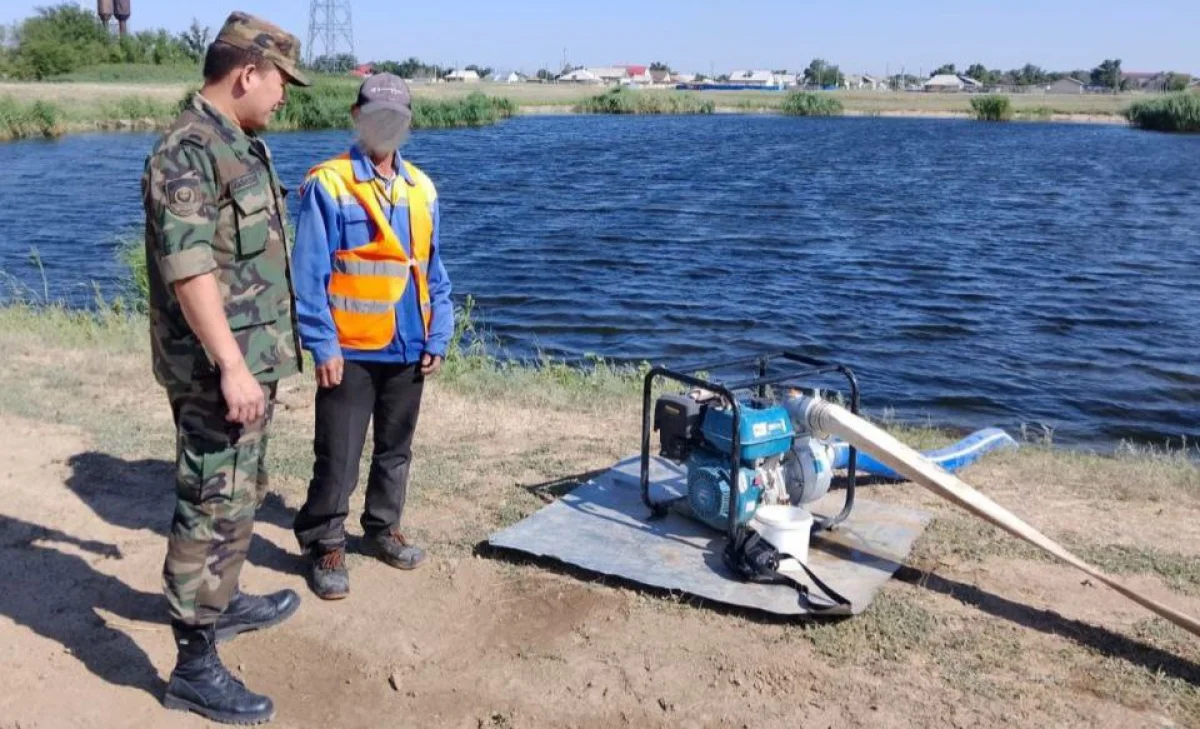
[869, 36]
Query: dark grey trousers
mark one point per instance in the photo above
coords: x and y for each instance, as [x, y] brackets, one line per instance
[391, 395]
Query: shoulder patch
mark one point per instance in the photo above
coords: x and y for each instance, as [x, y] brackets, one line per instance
[250, 179]
[184, 196]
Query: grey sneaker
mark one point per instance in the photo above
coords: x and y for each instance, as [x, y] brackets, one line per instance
[329, 577]
[391, 547]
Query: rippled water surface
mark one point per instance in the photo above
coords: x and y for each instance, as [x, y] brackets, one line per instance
[975, 274]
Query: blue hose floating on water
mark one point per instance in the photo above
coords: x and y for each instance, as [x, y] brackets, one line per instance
[951, 458]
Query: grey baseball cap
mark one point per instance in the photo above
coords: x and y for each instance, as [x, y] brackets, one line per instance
[385, 92]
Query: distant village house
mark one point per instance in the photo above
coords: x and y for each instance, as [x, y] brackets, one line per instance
[1066, 86]
[754, 78]
[949, 82]
[469, 76]
[580, 76]
[855, 82]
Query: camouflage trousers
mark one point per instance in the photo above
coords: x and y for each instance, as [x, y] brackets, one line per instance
[220, 480]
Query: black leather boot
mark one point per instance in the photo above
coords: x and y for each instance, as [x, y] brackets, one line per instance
[201, 683]
[251, 612]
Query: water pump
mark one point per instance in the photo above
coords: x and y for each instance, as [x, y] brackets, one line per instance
[741, 444]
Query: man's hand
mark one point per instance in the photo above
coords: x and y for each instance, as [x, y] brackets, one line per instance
[430, 364]
[329, 373]
[243, 395]
[200, 299]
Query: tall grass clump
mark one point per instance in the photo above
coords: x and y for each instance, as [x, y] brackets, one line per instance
[132, 253]
[320, 106]
[807, 103]
[327, 106]
[1178, 112]
[992, 107]
[621, 100]
[475, 110]
[26, 121]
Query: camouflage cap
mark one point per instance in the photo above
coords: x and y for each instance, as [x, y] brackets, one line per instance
[247, 32]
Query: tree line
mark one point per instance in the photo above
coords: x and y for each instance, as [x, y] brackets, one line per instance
[64, 38]
[1108, 75]
[412, 67]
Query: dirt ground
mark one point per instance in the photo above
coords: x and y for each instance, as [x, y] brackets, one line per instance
[975, 631]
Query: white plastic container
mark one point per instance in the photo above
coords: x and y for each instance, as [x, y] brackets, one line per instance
[787, 528]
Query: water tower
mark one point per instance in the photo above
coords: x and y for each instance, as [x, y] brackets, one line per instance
[121, 13]
[104, 8]
[118, 9]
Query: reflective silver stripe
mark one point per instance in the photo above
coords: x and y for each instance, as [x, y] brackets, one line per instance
[359, 306]
[370, 268]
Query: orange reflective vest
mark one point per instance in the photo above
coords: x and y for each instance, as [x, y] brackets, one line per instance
[367, 282]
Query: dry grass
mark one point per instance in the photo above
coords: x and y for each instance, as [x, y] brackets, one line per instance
[983, 630]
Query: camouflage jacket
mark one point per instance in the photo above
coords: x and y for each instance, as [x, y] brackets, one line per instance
[213, 203]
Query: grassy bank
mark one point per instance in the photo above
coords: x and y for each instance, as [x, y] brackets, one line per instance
[627, 101]
[969, 619]
[1173, 113]
[321, 107]
[93, 103]
[48, 119]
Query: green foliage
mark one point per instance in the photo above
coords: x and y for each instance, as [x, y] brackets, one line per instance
[475, 110]
[1177, 81]
[153, 47]
[132, 253]
[61, 39]
[622, 100]
[323, 105]
[822, 73]
[1178, 112]
[136, 108]
[1029, 75]
[948, 68]
[134, 73]
[340, 63]
[411, 68]
[25, 121]
[195, 40]
[326, 105]
[980, 73]
[1108, 74]
[992, 107]
[805, 103]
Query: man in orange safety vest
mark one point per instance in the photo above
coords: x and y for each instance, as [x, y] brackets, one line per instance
[374, 309]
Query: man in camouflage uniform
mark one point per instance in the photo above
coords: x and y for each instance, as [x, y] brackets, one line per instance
[223, 333]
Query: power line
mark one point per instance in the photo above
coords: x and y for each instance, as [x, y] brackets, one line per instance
[329, 27]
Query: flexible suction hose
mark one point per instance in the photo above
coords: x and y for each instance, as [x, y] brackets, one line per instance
[825, 418]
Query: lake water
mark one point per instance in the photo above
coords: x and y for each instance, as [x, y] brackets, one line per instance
[973, 274]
